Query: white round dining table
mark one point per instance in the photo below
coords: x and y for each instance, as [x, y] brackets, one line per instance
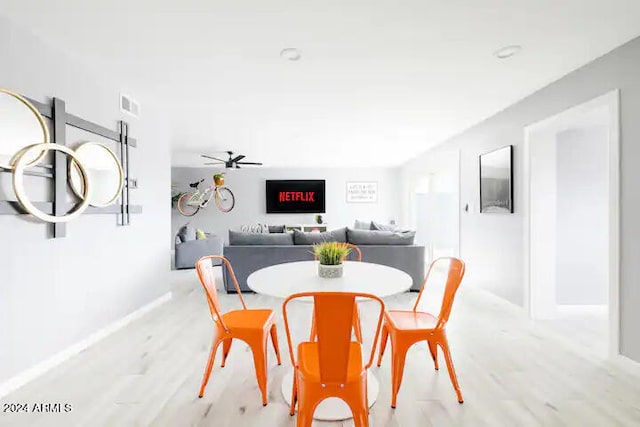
[282, 280]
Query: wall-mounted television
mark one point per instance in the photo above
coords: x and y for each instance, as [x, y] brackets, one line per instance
[295, 196]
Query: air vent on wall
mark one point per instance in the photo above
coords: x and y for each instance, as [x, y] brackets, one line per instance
[129, 105]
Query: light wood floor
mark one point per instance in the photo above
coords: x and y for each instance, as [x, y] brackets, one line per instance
[513, 372]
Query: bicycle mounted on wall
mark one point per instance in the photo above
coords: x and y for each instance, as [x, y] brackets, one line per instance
[190, 203]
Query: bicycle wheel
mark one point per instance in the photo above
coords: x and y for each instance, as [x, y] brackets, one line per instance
[185, 208]
[225, 199]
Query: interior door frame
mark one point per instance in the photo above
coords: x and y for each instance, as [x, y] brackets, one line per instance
[611, 100]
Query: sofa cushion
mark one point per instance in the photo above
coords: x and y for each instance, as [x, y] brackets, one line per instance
[276, 229]
[314, 237]
[237, 238]
[187, 233]
[376, 237]
[383, 227]
[362, 225]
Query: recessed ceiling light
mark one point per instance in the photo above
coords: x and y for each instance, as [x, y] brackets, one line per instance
[291, 54]
[507, 51]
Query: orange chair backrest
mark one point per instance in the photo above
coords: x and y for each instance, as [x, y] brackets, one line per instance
[354, 249]
[333, 313]
[206, 275]
[455, 274]
[348, 245]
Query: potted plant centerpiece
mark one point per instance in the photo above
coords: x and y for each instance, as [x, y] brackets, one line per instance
[330, 255]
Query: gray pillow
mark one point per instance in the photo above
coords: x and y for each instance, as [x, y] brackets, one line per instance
[239, 238]
[186, 233]
[362, 225]
[383, 227]
[312, 238]
[376, 237]
[276, 229]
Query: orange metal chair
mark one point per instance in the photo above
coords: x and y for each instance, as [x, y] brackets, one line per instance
[357, 329]
[333, 365]
[250, 326]
[409, 327]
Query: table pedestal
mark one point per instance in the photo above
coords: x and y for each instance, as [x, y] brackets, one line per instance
[332, 409]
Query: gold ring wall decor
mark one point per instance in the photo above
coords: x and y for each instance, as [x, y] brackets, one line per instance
[19, 128]
[18, 183]
[104, 172]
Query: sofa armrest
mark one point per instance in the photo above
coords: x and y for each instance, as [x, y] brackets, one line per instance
[187, 253]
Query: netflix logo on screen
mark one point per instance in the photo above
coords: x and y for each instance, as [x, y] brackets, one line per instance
[295, 196]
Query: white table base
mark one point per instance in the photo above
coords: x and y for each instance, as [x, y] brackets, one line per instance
[332, 409]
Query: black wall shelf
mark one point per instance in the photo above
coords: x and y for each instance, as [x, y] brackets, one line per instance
[57, 172]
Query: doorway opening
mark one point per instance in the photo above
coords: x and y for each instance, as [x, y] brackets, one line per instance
[436, 208]
[572, 222]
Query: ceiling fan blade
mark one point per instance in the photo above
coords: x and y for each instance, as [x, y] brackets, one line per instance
[240, 157]
[216, 163]
[249, 163]
[213, 158]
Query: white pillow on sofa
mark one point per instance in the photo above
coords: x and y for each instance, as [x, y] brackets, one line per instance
[255, 228]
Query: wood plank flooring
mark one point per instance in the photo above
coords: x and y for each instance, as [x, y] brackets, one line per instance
[513, 372]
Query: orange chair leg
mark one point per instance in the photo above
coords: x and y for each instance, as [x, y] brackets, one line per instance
[452, 373]
[294, 393]
[207, 370]
[357, 327]
[306, 408]
[226, 347]
[398, 356]
[259, 349]
[433, 349]
[360, 416]
[274, 341]
[383, 342]
[356, 398]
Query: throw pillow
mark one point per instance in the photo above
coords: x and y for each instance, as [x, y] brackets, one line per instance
[383, 227]
[376, 237]
[314, 237]
[255, 228]
[276, 229]
[200, 235]
[238, 238]
[362, 225]
[187, 233]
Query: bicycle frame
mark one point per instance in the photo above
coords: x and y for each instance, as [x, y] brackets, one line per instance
[200, 198]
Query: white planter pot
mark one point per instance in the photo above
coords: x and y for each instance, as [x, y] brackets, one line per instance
[330, 271]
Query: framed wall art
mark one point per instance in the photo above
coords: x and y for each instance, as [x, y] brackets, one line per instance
[496, 181]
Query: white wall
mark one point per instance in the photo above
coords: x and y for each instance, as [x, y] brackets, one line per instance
[248, 186]
[56, 292]
[582, 204]
[492, 244]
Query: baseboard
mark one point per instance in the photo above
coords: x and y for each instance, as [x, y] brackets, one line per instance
[627, 363]
[32, 373]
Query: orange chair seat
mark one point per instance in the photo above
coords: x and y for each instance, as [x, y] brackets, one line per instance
[248, 319]
[309, 361]
[411, 320]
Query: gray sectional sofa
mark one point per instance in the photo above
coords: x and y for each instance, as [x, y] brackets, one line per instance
[249, 252]
[189, 249]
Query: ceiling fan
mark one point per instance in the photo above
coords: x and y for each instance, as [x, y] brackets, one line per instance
[231, 162]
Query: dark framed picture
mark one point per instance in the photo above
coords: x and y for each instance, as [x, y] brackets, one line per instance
[496, 181]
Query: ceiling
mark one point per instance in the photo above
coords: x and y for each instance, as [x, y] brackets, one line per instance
[378, 82]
